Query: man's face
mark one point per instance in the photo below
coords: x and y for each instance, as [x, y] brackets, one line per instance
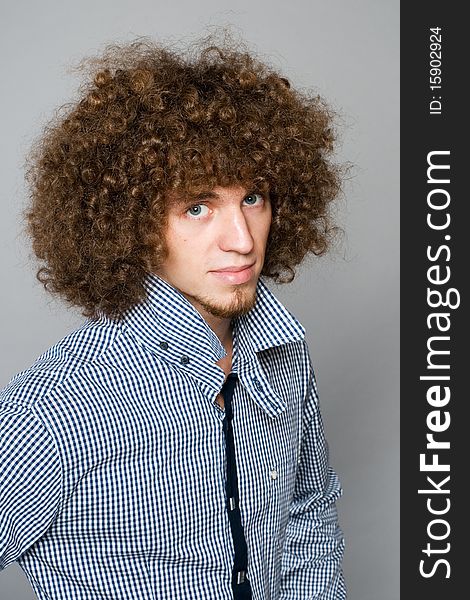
[216, 247]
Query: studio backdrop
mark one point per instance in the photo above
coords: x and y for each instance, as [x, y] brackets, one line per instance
[348, 52]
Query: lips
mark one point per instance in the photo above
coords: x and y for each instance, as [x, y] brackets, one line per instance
[235, 274]
[233, 269]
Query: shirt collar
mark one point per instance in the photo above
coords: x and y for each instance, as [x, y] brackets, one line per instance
[170, 327]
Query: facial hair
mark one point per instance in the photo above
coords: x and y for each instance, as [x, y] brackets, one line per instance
[242, 302]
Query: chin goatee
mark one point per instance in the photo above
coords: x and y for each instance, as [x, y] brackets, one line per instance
[241, 304]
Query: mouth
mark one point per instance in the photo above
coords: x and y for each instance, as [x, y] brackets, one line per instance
[235, 274]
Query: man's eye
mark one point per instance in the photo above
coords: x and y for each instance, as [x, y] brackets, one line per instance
[253, 199]
[198, 210]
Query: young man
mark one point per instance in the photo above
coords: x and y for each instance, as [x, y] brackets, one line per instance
[172, 446]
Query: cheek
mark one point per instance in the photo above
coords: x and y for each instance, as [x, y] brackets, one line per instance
[265, 228]
[268, 226]
[268, 217]
[187, 252]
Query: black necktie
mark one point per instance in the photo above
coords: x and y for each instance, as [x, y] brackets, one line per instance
[240, 584]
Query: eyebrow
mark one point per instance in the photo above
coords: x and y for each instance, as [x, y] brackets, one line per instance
[204, 195]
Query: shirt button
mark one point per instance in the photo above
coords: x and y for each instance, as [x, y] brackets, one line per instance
[163, 345]
[185, 360]
[273, 474]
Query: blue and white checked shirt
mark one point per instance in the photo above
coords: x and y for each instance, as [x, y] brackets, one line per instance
[113, 460]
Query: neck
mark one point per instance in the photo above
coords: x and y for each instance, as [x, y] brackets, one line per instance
[220, 326]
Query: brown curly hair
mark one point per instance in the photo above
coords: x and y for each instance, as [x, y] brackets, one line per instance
[150, 120]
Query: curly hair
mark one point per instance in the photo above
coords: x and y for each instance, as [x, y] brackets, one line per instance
[150, 120]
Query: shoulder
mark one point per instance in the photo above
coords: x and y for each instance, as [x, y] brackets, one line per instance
[75, 352]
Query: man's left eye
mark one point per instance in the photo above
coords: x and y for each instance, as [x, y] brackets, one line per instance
[253, 199]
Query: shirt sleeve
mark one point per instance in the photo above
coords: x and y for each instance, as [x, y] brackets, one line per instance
[30, 481]
[314, 543]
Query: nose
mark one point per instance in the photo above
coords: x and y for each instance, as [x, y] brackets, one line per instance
[235, 234]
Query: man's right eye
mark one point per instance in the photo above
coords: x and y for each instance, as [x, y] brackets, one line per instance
[198, 210]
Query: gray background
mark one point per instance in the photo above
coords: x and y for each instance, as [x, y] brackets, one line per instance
[348, 51]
